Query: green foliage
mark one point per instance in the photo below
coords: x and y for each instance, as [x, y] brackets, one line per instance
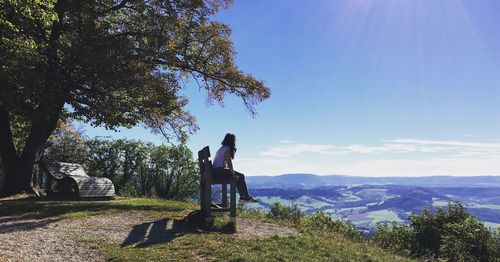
[144, 169]
[282, 212]
[451, 234]
[323, 222]
[66, 144]
[467, 240]
[109, 63]
[136, 168]
[395, 237]
[496, 244]
[117, 63]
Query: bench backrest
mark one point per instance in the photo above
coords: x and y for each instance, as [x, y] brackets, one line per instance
[60, 170]
[205, 164]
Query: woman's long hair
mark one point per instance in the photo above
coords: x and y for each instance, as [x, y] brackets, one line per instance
[230, 141]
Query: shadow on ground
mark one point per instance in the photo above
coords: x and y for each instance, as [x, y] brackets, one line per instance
[166, 230]
[38, 208]
[14, 224]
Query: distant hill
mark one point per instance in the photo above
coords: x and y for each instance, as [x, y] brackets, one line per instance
[311, 180]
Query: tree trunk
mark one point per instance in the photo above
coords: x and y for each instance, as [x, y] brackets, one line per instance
[18, 168]
[18, 176]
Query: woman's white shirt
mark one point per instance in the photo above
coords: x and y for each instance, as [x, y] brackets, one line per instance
[219, 159]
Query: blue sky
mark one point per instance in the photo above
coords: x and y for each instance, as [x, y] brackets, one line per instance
[360, 87]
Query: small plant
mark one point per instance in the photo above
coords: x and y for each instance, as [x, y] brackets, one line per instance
[322, 221]
[282, 212]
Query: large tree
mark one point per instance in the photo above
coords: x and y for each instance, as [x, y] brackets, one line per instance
[109, 63]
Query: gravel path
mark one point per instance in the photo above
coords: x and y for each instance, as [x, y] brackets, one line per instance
[41, 240]
[56, 239]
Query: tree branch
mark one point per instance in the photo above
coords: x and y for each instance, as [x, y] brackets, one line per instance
[121, 5]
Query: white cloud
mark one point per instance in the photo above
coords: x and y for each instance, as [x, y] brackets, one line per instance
[289, 150]
[443, 143]
[397, 157]
[399, 146]
[449, 166]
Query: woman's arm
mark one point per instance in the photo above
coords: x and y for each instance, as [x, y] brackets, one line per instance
[227, 157]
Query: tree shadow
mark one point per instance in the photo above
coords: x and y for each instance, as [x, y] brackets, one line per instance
[15, 224]
[39, 208]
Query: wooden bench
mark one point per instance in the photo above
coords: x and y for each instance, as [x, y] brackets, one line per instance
[206, 182]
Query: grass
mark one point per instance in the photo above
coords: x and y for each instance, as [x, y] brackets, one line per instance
[306, 245]
[303, 247]
[40, 208]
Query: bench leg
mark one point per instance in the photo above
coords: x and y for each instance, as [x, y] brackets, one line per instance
[232, 211]
[207, 203]
[224, 195]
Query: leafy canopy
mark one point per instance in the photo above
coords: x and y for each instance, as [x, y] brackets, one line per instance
[117, 63]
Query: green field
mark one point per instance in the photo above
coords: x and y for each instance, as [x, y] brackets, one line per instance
[274, 199]
[311, 202]
[484, 206]
[492, 225]
[439, 203]
[383, 216]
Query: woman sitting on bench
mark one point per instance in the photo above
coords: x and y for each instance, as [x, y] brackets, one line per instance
[223, 167]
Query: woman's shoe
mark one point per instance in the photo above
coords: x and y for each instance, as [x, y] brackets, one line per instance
[249, 199]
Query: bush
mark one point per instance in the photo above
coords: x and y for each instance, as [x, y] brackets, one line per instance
[467, 240]
[395, 237]
[495, 235]
[282, 212]
[322, 221]
[451, 234]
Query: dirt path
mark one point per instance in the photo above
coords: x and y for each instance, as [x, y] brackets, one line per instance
[56, 239]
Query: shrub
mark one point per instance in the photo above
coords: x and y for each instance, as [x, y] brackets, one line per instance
[282, 212]
[467, 240]
[451, 234]
[495, 243]
[322, 221]
[395, 237]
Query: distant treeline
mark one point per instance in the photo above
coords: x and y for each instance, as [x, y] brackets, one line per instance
[135, 167]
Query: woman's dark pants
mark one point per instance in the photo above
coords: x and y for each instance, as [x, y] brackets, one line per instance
[223, 174]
